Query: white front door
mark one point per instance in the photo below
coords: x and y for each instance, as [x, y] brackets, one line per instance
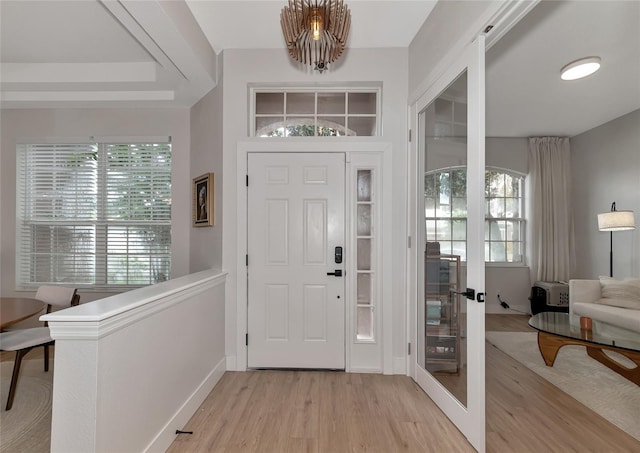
[296, 310]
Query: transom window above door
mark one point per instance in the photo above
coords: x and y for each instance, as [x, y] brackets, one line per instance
[315, 113]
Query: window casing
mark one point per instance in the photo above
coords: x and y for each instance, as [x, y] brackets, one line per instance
[93, 214]
[315, 112]
[446, 213]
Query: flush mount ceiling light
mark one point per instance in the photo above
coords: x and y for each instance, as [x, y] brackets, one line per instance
[315, 31]
[580, 68]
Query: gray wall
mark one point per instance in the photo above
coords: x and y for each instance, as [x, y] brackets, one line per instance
[606, 168]
[450, 24]
[206, 156]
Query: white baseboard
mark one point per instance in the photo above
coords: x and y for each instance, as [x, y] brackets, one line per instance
[232, 364]
[399, 365]
[366, 370]
[167, 434]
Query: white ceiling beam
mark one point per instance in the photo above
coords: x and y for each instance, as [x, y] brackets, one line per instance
[84, 96]
[78, 72]
[173, 29]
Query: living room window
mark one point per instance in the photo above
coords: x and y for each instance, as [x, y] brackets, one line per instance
[315, 112]
[446, 213]
[93, 214]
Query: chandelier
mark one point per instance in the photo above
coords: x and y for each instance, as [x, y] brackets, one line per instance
[316, 31]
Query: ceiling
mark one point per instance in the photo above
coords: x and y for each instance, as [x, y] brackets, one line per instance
[525, 95]
[131, 53]
[243, 24]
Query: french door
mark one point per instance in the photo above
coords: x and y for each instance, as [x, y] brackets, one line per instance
[447, 320]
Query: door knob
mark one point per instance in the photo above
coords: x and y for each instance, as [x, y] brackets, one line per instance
[337, 273]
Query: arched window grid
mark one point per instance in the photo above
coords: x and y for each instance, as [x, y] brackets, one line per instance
[446, 213]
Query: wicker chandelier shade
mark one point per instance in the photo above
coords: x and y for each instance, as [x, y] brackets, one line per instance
[316, 31]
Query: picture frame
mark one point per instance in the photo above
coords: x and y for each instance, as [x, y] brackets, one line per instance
[203, 207]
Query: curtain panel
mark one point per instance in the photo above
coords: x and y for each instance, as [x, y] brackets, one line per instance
[550, 217]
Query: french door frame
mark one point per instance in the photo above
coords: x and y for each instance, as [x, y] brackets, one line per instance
[470, 419]
[492, 25]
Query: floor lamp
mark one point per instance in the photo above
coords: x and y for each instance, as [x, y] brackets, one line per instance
[615, 221]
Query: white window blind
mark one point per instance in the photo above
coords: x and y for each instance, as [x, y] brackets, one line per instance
[96, 215]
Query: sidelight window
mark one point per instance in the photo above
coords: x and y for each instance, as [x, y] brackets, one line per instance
[366, 265]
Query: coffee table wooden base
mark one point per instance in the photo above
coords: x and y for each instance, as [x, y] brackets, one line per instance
[549, 345]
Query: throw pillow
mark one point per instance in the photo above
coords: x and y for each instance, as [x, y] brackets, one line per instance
[620, 293]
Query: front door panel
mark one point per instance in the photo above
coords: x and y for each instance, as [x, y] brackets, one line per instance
[295, 218]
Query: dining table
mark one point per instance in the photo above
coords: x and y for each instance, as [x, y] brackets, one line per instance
[16, 309]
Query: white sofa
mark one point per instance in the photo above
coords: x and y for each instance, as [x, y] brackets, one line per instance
[586, 298]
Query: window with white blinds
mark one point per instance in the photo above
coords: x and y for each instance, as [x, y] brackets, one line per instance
[95, 214]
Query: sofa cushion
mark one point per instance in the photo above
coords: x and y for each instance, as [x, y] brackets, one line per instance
[622, 303]
[623, 317]
[620, 293]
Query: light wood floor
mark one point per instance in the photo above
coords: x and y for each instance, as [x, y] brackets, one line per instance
[272, 411]
[282, 411]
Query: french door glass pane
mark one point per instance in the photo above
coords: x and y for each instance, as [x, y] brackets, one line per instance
[441, 343]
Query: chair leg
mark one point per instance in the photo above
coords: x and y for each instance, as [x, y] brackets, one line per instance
[46, 358]
[14, 377]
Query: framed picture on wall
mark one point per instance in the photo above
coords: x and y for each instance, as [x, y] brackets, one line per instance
[203, 214]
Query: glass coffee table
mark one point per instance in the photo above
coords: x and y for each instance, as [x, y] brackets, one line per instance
[559, 329]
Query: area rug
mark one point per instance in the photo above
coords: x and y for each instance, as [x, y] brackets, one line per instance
[27, 426]
[600, 389]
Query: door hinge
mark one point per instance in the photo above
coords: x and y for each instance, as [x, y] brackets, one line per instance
[247, 180]
[246, 339]
[408, 348]
[408, 242]
[409, 134]
[246, 260]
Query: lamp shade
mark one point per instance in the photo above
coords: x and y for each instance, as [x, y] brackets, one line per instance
[616, 221]
[316, 31]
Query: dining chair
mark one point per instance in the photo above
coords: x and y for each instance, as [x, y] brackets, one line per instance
[24, 340]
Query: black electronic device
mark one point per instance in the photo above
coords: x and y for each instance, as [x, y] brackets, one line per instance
[338, 255]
